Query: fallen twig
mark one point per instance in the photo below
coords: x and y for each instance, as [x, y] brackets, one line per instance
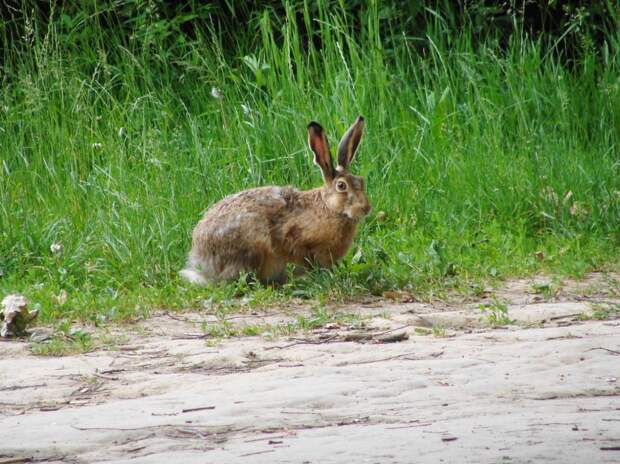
[357, 337]
[266, 438]
[105, 377]
[15, 460]
[135, 429]
[257, 452]
[390, 358]
[564, 337]
[21, 387]
[191, 336]
[111, 371]
[606, 349]
[302, 342]
[378, 334]
[565, 316]
[202, 408]
[393, 338]
[417, 424]
[134, 450]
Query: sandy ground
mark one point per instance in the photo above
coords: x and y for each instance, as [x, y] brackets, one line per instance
[544, 389]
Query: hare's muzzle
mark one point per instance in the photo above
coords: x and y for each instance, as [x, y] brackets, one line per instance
[366, 208]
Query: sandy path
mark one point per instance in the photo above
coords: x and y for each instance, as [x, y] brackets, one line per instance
[543, 390]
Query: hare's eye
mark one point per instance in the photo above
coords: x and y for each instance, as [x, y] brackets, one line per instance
[341, 186]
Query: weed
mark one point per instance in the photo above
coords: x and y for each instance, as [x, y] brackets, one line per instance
[605, 311]
[543, 289]
[496, 313]
[62, 345]
[422, 331]
[439, 331]
[318, 318]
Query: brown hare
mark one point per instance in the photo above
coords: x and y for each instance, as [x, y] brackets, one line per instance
[262, 229]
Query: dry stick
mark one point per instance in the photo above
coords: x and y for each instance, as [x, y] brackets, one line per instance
[111, 371]
[135, 429]
[22, 387]
[134, 450]
[601, 348]
[378, 334]
[299, 412]
[421, 424]
[266, 438]
[202, 408]
[105, 377]
[191, 336]
[302, 342]
[555, 318]
[257, 452]
[397, 337]
[15, 460]
[178, 318]
[398, 356]
[161, 426]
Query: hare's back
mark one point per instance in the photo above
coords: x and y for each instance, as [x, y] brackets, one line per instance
[245, 216]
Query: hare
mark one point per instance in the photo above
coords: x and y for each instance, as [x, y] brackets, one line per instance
[263, 229]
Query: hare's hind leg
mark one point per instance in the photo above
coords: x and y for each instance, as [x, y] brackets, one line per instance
[214, 269]
[193, 276]
[198, 270]
[272, 271]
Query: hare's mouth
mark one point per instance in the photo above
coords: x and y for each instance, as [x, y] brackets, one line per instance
[358, 212]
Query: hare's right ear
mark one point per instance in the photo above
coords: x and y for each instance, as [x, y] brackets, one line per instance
[349, 143]
[322, 156]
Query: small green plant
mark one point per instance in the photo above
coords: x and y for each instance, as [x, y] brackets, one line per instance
[544, 289]
[603, 311]
[496, 313]
[220, 329]
[63, 345]
[422, 331]
[318, 318]
[614, 286]
[439, 331]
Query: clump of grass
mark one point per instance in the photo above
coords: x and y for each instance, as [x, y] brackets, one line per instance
[604, 311]
[319, 317]
[496, 313]
[64, 345]
[488, 161]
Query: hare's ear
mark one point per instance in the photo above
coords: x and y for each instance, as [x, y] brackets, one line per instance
[349, 143]
[322, 156]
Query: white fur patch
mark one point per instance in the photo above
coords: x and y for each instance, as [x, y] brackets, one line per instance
[193, 276]
[229, 226]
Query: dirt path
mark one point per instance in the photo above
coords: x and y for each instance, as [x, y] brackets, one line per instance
[544, 389]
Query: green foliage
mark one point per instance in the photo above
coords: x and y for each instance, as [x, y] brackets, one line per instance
[120, 124]
[604, 312]
[496, 313]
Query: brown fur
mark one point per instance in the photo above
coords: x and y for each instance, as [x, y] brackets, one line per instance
[265, 228]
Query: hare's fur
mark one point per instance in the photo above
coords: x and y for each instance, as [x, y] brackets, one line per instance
[262, 229]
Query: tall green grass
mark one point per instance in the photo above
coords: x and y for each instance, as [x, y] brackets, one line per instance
[488, 162]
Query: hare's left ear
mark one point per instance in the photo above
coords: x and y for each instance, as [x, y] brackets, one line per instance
[322, 157]
[349, 143]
